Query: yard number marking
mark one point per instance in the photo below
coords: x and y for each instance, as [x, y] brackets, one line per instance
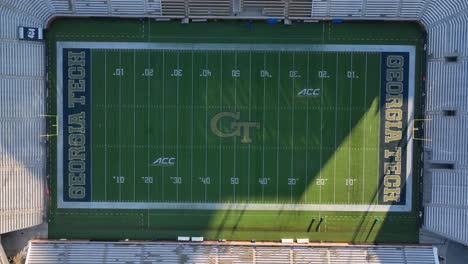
[294, 74]
[292, 181]
[352, 75]
[118, 72]
[235, 73]
[147, 180]
[265, 74]
[119, 179]
[177, 73]
[350, 182]
[148, 72]
[235, 181]
[205, 180]
[263, 181]
[321, 182]
[323, 74]
[176, 180]
[205, 73]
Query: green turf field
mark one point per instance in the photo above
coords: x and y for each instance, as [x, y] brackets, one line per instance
[274, 133]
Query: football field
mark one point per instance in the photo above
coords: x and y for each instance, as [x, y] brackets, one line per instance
[234, 130]
[248, 126]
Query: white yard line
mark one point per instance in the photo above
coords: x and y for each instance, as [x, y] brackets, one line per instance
[91, 135]
[148, 218]
[364, 136]
[321, 133]
[250, 105]
[191, 141]
[134, 125]
[120, 125]
[163, 127]
[278, 126]
[148, 123]
[264, 121]
[378, 134]
[349, 127]
[220, 109]
[292, 124]
[105, 125]
[306, 183]
[235, 140]
[206, 127]
[177, 130]
[336, 124]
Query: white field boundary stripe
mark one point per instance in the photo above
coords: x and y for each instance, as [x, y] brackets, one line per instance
[409, 136]
[238, 206]
[60, 125]
[231, 46]
[234, 47]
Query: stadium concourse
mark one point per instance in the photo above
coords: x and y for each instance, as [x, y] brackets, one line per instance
[26, 127]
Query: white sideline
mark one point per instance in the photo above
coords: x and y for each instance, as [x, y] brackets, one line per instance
[231, 47]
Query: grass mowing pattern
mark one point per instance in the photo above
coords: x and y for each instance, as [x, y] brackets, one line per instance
[352, 115]
[305, 150]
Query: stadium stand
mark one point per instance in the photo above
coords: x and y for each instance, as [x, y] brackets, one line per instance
[22, 102]
[97, 252]
[22, 84]
[209, 7]
[446, 202]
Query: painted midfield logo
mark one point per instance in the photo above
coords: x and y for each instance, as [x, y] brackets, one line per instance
[237, 128]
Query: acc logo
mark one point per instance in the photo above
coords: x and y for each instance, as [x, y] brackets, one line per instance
[237, 128]
[164, 161]
[309, 92]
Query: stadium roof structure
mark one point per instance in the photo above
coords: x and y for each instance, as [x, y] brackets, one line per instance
[23, 90]
[124, 252]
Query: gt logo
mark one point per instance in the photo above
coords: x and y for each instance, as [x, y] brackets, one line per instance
[31, 33]
[237, 128]
[309, 92]
[164, 161]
